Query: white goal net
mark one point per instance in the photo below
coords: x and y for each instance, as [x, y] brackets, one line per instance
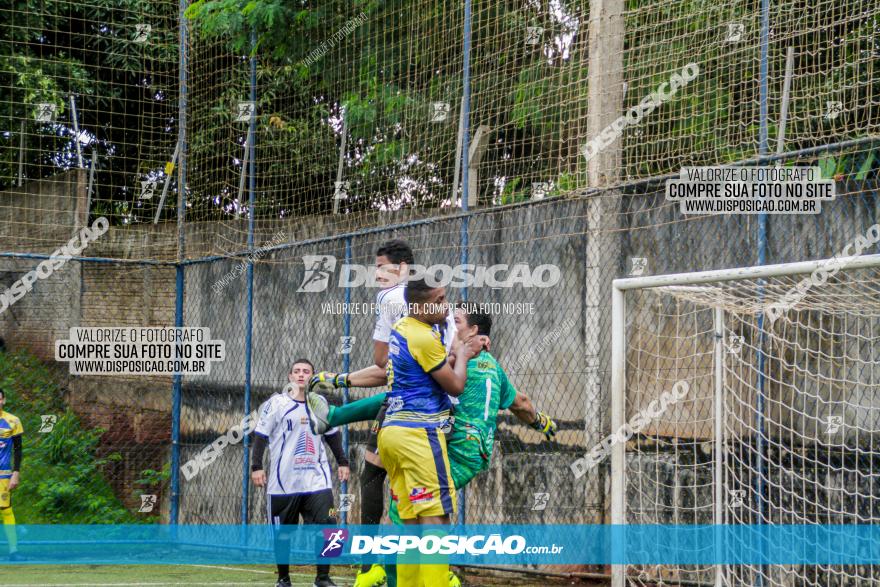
[781, 417]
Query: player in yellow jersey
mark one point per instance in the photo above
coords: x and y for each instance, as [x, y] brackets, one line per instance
[411, 441]
[10, 463]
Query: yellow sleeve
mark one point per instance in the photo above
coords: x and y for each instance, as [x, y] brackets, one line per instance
[17, 428]
[427, 349]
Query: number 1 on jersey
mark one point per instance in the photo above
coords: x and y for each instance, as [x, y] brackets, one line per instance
[488, 398]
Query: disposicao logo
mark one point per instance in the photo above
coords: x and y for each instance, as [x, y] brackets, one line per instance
[334, 542]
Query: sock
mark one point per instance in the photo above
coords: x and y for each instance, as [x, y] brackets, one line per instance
[435, 575]
[391, 567]
[372, 497]
[9, 528]
[362, 410]
[409, 575]
[391, 575]
[323, 571]
[282, 555]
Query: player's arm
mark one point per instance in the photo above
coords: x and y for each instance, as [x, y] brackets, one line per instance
[16, 462]
[371, 376]
[380, 356]
[522, 407]
[261, 436]
[526, 413]
[334, 441]
[258, 474]
[17, 432]
[451, 378]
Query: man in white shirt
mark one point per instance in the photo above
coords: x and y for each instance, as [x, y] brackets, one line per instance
[298, 481]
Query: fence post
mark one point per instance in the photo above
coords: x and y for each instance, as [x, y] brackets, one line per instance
[179, 276]
[465, 196]
[462, 495]
[249, 320]
[346, 362]
[605, 95]
[763, 150]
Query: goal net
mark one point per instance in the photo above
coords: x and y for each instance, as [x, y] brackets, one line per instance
[779, 423]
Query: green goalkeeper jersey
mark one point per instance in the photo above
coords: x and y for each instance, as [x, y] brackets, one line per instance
[486, 391]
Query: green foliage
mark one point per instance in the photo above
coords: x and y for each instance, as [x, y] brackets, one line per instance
[54, 49]
[384, 62]
[271, 22]
[527, 101]
[852, 165]
[512, 192]
[151, 479]
[62, 477]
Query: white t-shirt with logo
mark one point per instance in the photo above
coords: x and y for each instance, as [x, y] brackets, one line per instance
[298, 458]
[391, 307]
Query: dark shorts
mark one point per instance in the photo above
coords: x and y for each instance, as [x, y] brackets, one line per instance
[314, 508]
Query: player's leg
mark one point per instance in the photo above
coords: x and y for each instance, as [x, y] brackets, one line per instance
[406, 574]
[421, 478]
[9, 529]
[323, 416]
[8, 517]
[318, 509]
[362, 410]
[372, 481]
[283, 511]
[437, 473]
[465, 463]
[394, 516]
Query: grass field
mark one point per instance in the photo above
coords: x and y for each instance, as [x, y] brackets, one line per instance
[209, 575]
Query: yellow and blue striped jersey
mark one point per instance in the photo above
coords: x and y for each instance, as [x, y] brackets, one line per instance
[415, 400]
[10, 426]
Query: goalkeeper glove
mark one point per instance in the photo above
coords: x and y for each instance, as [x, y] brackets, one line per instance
[545, 424]
[335, 379]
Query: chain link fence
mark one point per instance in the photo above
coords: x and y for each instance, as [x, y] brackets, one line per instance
[554, 342]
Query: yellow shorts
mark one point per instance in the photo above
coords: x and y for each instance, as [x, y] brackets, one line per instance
[418, 468]
[5, 495]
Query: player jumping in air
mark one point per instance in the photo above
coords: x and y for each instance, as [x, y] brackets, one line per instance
[10, 464]
[299, 482]
[411, 443]
[393, 261]
[487, 390]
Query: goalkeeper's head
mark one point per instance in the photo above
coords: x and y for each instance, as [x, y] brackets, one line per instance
[471, 320]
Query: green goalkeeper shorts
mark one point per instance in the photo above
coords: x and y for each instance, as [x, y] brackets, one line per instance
[466, 459]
